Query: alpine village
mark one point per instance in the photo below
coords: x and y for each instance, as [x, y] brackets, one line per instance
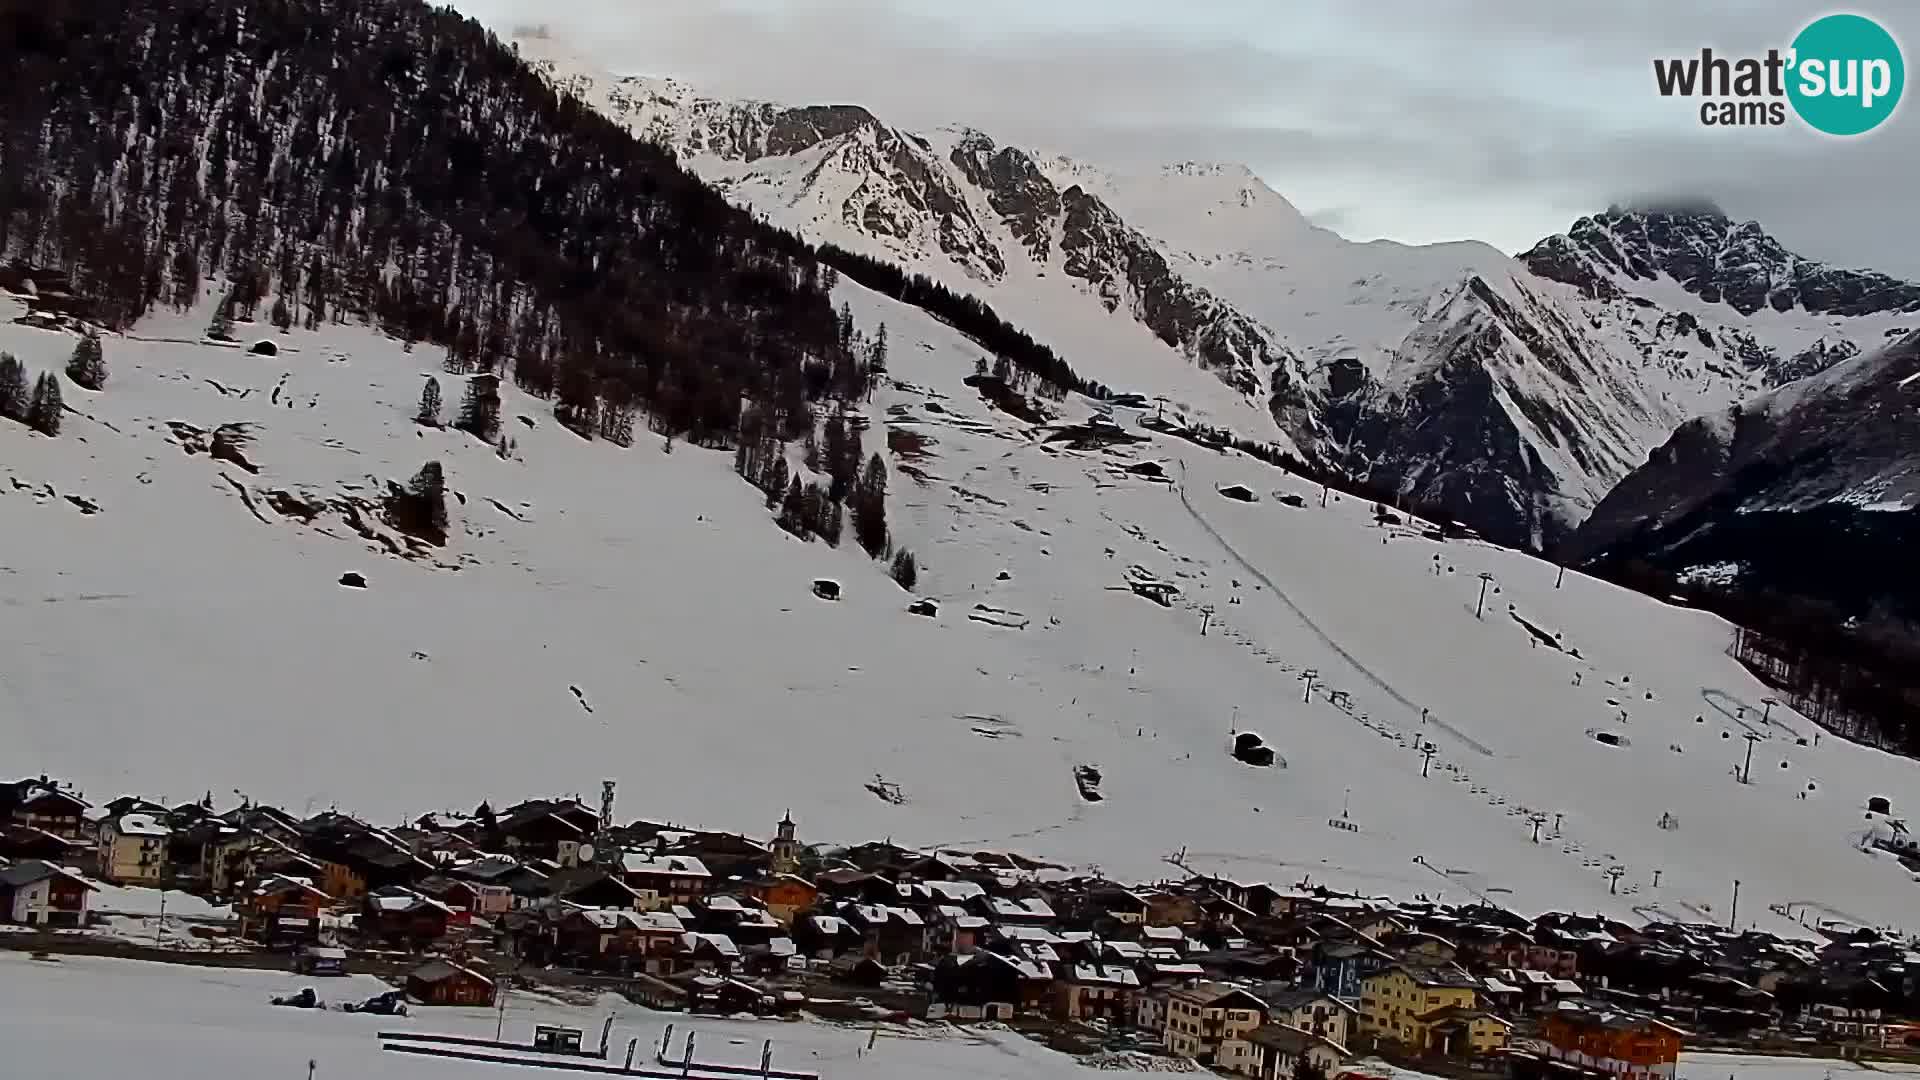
[1243, 978]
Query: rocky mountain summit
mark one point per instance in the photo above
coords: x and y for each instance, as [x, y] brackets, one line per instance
[1713, 257]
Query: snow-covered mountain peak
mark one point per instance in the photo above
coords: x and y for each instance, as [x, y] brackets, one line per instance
[1712, 257]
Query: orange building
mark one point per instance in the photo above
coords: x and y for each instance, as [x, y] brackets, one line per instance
[1622, 1044]
[786, 896]
[281, 910]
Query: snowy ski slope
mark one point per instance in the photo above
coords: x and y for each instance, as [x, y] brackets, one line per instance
[634, 614]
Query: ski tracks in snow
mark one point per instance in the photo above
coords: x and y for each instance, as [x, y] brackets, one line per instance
[1307, 620]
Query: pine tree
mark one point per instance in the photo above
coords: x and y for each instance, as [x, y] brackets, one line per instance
[282, 315]
[906, 572]
[869, 506]
[88, 366]
[429, 490]
[616, 424]
[830, 523]
[13, 388]
[489, 827]
[429, 414]
[834, 450]
[420, 508]
[793, 509]
[44, 406]
[220, 328]
[776, 480]
[846, 472]
[877, 356]
[480, 408]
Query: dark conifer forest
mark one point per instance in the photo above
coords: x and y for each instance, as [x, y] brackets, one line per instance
[323, 160]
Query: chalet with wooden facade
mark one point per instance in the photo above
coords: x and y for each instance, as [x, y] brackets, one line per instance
[443, 982]
[43, 894]
[43, 803]
[281, 911]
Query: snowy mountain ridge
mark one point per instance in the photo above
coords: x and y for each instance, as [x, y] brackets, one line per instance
[1511, 393]
[1825, 464]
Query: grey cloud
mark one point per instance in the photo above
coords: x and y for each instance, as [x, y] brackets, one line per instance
[1505, 120]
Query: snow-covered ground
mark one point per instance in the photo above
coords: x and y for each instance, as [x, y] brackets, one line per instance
[1732, 1066]
[85, 1019]
[634, 614]
[1748, 1067]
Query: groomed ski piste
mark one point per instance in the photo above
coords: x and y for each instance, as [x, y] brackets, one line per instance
[175, 625]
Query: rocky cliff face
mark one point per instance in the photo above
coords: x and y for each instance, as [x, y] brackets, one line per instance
[1813, 489]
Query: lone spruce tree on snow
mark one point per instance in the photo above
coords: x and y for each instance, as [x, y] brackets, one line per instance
[88, 367]
[420, 509]
[221, 326]
[429, 414]
[429, 490]
[869, 504]
[13, 388]
[44, 406]
[906, 572]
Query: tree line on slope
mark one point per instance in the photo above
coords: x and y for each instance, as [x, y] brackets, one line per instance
[829, 487]
[969, 315]
[1850, 671]
[433, 185]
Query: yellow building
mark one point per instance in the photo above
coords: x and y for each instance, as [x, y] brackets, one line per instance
[1451, 1031]
[133, 849]
[1214, 1024]
[342, 882]
[1392, 1001]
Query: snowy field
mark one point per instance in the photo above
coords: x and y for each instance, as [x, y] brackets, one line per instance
[174, 627]
[1746, 1067]
[91, 1019]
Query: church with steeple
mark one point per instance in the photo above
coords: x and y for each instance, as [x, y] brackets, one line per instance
[785, 849]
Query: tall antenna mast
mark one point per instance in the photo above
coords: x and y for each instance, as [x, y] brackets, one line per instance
[603, 842]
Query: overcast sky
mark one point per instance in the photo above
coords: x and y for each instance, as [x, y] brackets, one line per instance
[1419, 120]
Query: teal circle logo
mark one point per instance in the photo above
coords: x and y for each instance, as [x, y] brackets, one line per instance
[1847, 75]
